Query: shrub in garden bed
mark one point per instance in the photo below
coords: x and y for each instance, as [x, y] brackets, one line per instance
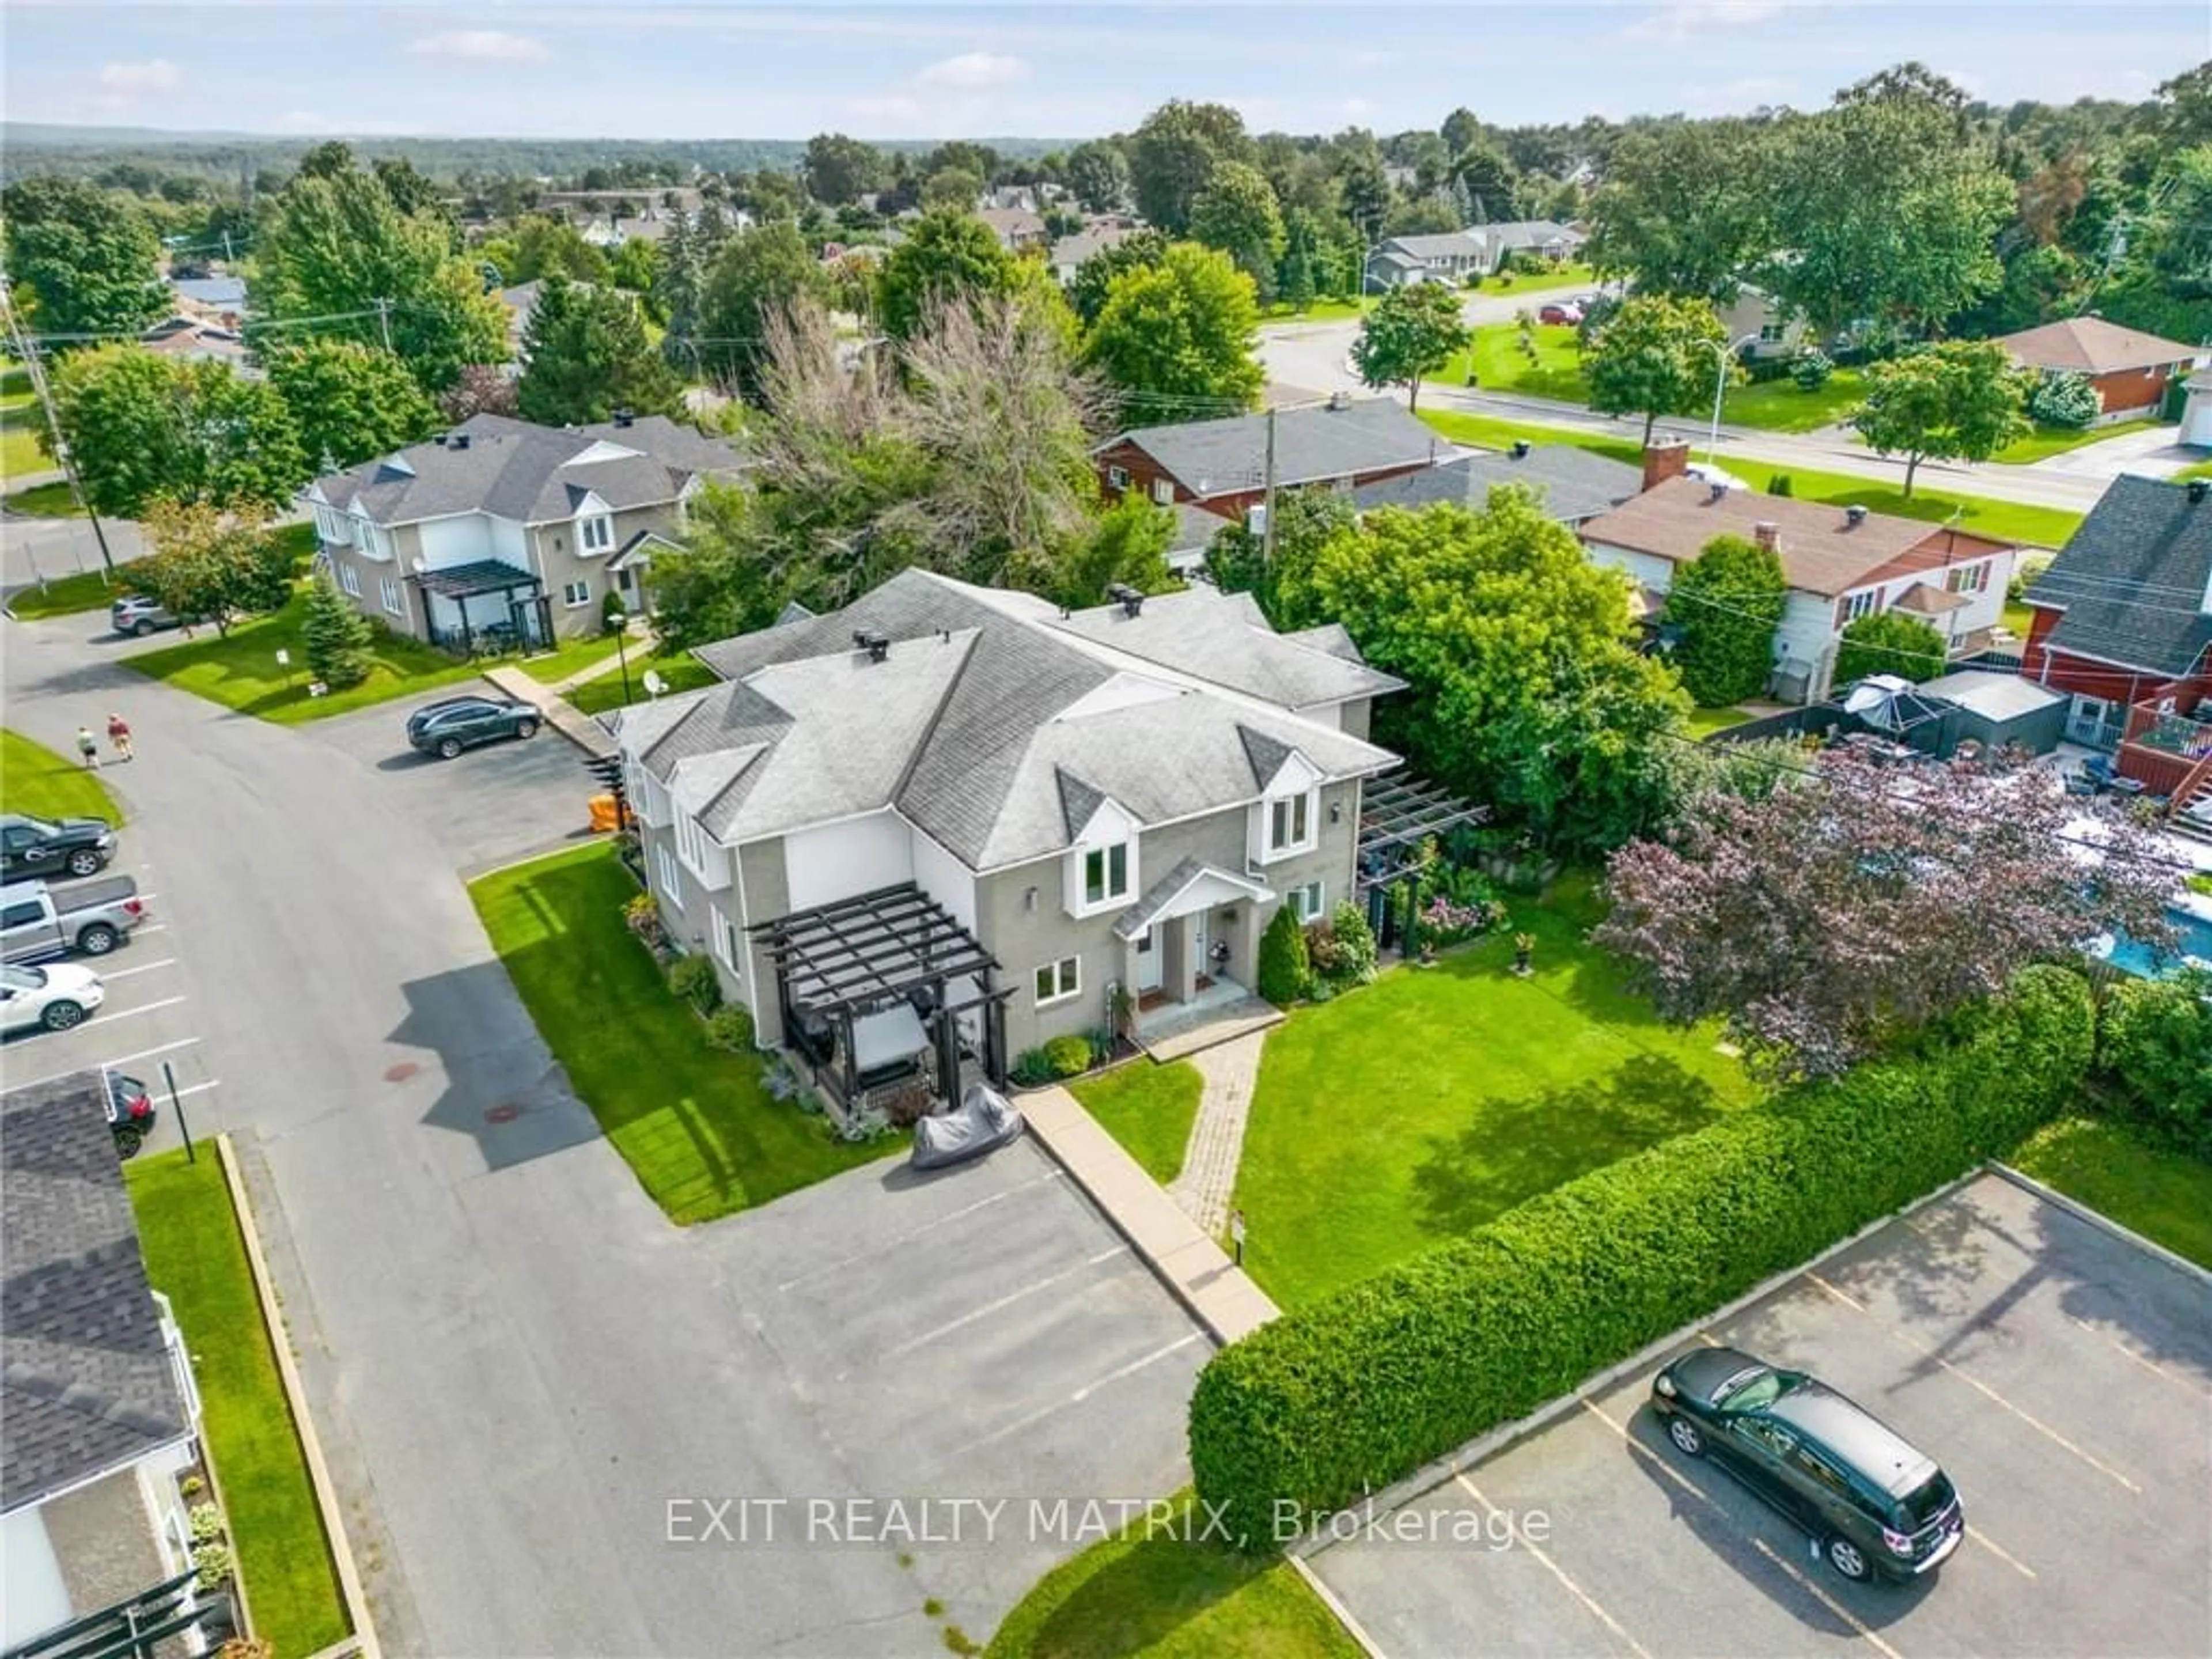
[692, 978]
[1332, 1401]
[1284, 969]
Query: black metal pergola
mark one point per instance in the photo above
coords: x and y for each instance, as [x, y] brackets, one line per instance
[1396, 815]
[855, 957]
[530, 613]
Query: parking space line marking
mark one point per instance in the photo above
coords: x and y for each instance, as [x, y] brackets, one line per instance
[2005, 1556]
[114, 1014]
[145, 928]
[143, 968]
[1490, 1511]
[1080, 1394]
[91, 1065]
[876, 1253]
[1983, 1389]
[1759, 1544]
[198, 1088]
[147, 1054]
[2113, 1341]
[1004, 1302]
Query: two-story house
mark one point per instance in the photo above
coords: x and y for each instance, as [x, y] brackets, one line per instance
[98, 1413]
[1841, 564]
[506, 526]
[2123, 626]
[1117, 798]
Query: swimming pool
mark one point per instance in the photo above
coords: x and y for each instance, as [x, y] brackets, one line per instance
[2193, 937]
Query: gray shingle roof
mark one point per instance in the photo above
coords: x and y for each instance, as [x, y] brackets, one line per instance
[2135, 578]
[1439, 245]
[1140, 916]
[981, 726]
[86, 1383]
[1312, 446]
[1575, 484]
[1223, 638]
[514, 470]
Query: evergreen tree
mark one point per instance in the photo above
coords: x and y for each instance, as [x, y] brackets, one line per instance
[337, 637]
[585, 356]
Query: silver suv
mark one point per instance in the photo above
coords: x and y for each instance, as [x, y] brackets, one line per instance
[134, 613]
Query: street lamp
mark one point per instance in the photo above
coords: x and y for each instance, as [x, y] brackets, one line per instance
[618, 619]
[1725, 356]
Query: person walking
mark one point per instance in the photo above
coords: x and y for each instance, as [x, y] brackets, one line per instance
[88, 747]
[118, 735]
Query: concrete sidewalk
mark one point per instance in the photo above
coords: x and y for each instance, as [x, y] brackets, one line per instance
[580, 728]
[1217, 1291]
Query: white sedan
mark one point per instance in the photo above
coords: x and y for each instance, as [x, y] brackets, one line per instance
[55, 997]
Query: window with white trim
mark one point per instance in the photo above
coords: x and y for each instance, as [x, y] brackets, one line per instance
[1773, 333]
[692, 842]
[333, 525]
[388, 589]
[349, 580]
[671, 884]
[595, 535]
[729, 951]
[1056, 981]
[575, 594]
[1106, 873]
[1859, 604]
[1117, 477]
[1968, 578]
[1290, 823]
[1163, 491]
[1306, 903]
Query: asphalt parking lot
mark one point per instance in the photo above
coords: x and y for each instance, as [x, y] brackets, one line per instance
[981, 1332]
[2061, 1376]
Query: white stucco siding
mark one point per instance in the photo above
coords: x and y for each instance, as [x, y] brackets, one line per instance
[839, 859]
[37, 1598]
[945, 878]
[507, 541]
[445, 542]
[1808, 625]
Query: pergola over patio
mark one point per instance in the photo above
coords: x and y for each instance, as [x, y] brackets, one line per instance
[1396, 815]
[895, 947]
[462, 582]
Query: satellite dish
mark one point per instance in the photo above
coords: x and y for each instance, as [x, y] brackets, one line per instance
[655, 685]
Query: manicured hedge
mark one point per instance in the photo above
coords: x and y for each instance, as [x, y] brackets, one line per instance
[1345, 1397]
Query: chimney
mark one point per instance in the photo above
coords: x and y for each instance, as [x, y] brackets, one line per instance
[1521, 449]
[1855, 516]
[876, 645]
[624, 417]
[1662, 461]
[459, 440]
[2198, 488]
[1129, 599]
[1767, 534]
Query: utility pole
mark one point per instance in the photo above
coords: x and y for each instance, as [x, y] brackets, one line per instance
[384, 321]
[1268, 512]
[27, 349]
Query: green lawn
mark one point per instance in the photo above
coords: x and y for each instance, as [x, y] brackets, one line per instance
[20, 419]
[240, 671]
[1500, 365]
[570, 657]
[1705, 721]
[1148, 1109]
[196, 1258]
[682, 671]
[2019, 618]
[1157, 1597]
[2005, 521]
[2048, 440]
[1409, 1113]
[36, 780]
[702, 1134]
[1321, 311]
[1568, 276]
[66, 596]
[2200, 470]
[51, 499]
[2122, 1171]
[1781, 406]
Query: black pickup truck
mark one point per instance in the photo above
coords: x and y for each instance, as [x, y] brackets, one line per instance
[32, 847]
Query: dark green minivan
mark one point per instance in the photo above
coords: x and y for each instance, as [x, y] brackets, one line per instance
[1876, 1506]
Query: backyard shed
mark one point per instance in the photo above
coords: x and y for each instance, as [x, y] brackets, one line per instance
[1993, 709]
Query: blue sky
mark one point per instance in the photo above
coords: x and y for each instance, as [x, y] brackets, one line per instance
[638, 69]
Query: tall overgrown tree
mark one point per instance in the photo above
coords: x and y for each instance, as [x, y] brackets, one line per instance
[1657, 355]
[350, 401]
[1962, 400]
[1828, 922]
[586, 355]
[752, 278]
[1237, 212]
[839, 168]
[947, 257]
[1172, 156]
[1411, 334]
[1098, 173]
[90, 257]
[1727, 602]
[1686, 207]
[1178, 340]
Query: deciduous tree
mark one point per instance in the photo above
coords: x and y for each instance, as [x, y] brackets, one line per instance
[1098, 173]
[839, 168]
[1657, 355]
[947, 255]
[1962, 400]
[1888, 643]
[1411, 333]
[350, 401]
[1824, 923]
[1172, 156]
[90, 257]
[212, 564]
[585, 356]
[1178, 339]
[142, 428]
[1686, 207]
[1094, 276]
[1727, 602]
[753, 277]
[1237, 212]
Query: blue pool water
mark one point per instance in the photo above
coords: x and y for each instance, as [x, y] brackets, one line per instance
[2193, 939]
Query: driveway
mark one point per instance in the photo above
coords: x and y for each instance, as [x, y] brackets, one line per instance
[2151, 453]
[2062, 1376]
[514, 1360]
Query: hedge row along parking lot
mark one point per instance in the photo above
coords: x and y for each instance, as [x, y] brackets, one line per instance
[1342, 1398]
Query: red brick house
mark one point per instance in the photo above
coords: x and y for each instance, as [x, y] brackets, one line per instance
[2130, 370]
[2123, 623]
[1221, 467]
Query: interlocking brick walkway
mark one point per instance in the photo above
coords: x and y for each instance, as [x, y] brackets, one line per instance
[1217, 1139]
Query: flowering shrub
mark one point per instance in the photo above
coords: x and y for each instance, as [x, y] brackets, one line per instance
[1444, 922]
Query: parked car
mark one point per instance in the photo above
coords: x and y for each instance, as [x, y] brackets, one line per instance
[35, 922]
[1875, 1506]
[446, 727]
[53, 997]
[134, 613]
[130, 1112]
[54, 847]
[1564, 312]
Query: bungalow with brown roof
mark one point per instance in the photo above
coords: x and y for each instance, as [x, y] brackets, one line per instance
[1841, 564]
[2131, 369]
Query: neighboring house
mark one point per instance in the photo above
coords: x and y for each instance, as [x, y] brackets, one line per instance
[509, 527]
[2196, 414]
[1019, 198]
[210, 298]
[2123, 625]
[2131, 370]
[1575, 484]
[1221, 466]
[1389, 267]
[1121, 797]
[1760, 325]
[1015, 228]
[199, 342]
[1841, 564]
[1450, 256]
[98, 1414]
[1194, 530]
[1542, 239]
[1069, 253]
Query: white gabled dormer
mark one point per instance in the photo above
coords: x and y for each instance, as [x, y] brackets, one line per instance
[1101, 872]
[602, 450]
[1285, 820]
[595, 526]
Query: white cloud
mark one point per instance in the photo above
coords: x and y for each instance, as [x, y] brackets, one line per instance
[1685, 20]
[1356, 108]
[155, 75]
[482, 45]
[975, 68]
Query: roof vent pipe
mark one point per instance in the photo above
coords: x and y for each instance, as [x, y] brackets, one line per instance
[876, 645]
[1129, 599]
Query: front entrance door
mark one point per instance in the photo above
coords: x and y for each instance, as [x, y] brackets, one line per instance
[1151, 961]
[1200, 958]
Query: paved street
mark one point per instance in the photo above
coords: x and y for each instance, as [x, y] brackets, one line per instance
[31, 549]
[514, 1360]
